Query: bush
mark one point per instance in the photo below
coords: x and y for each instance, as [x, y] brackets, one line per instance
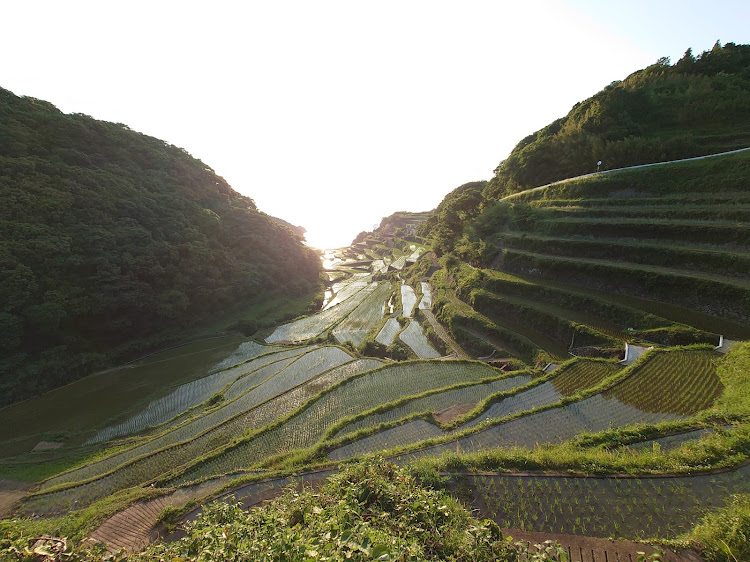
[245, 327]
[399, 351]
[366, 512]
[724, 536]
[371, 348]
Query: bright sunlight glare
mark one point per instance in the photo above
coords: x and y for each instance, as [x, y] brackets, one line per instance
[334, 114]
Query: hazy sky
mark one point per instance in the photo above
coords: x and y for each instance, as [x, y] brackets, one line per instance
[334, 114]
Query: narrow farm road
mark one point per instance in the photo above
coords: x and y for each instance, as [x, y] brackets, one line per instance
[133, 528]
[533, 189]
[591, 549]
[443, 334]
[10, 492]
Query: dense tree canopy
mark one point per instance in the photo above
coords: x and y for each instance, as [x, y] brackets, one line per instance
[447, 222]
[697, 106]
[108, 235]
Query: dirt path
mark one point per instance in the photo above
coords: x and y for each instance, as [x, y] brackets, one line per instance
[443, 334]
[454, 412]
[10, 492]
[590, 549]
[133, 528]
[620, 169]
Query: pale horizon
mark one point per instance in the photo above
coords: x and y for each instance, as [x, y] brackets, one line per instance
[333, 115]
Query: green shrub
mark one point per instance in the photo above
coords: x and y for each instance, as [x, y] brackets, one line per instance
[724, 535]
[399, 351]
[366, 512]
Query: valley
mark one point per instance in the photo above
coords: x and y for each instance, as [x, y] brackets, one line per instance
[563, 358]
[325, 388]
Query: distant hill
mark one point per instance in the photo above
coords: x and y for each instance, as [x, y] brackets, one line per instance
[660, 253]
[401, 222]
[298, 230]
[108, 236]
[696, 106]
[447, 221]
[699, 105]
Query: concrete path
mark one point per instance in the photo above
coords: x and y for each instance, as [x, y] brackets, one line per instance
[632, 353]
[724, 345]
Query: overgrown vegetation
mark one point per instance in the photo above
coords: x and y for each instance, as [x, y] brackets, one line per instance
[724, 536]
[374, 511]
[538, 280]
[696, 106]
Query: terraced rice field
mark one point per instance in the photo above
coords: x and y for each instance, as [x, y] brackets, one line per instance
[196, 438]
[526, 398]
[414, 256]
[683, 256]
[564, 422]
[185, 396]
[574, 277]
[425, 303]
[399, 436]
[555, 425]
[379, 266]
[110, 397]
[388, 332]
[437, 401]
[654, 210]
[398, 264]
[352, 397]
[271, 375]
[408, 300]
[673, 441]
[690, 377]
[603, 507]
[314, 325]
[347, 288]
[414, 337]
[365, 318]
[580, 375]
[702, 257]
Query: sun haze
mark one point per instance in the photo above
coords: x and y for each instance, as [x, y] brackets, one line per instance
[334, 114]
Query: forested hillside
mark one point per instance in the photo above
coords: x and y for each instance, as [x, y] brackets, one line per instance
[108, 236]
[696, 106]
[523, 351]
